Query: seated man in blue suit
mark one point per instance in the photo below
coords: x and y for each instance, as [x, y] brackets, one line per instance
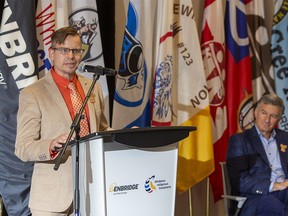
[257, 161]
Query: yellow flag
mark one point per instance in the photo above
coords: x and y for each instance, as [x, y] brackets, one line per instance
[190, 99]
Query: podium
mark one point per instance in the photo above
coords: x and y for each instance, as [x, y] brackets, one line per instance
[129, 172]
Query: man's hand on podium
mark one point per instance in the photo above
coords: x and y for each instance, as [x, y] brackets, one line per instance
[58, 143]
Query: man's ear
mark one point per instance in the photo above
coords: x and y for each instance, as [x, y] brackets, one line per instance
[51, 54]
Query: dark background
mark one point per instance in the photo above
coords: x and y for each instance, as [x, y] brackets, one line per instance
[106, 13]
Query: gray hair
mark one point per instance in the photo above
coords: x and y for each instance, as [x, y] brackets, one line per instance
[272, 99]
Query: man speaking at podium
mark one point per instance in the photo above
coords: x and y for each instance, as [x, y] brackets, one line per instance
[46, 111]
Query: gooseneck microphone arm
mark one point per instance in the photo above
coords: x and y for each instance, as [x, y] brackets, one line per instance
[75, 127]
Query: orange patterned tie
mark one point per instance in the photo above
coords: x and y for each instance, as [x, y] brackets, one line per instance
[77, 103]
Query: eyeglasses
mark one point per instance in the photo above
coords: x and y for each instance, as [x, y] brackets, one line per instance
[65, 51]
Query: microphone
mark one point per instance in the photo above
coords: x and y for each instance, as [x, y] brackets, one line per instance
[82, 67]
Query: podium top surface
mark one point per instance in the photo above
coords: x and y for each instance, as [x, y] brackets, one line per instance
[147, 137]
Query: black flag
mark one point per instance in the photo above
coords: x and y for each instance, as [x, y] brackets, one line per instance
[18, 68]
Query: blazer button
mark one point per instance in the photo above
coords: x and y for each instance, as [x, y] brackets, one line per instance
[42, 157]
[258, 191]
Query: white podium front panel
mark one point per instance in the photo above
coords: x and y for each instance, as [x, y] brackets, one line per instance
[116, 179]
[141, 181]
[91, 178]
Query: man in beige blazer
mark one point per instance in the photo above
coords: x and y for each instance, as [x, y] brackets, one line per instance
[44, 120]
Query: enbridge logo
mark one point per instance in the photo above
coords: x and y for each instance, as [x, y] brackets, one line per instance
[122, 189]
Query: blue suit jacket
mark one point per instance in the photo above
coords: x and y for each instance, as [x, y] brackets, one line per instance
[248, 166]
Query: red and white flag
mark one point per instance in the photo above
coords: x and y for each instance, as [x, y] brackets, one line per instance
[162, 88]
[213, 53]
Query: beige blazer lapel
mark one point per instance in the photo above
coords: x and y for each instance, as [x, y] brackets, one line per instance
[56, 96]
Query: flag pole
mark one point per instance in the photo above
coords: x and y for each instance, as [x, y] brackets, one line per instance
[207, 196]
[190, 202]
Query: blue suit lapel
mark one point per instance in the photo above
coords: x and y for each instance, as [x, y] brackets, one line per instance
[281, 143]
[257, 144]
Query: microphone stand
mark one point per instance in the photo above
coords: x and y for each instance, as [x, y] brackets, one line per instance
[75, 127]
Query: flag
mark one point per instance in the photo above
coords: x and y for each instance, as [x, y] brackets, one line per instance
[262, 78]
[18, 69]
[162, 85]
[213, 54]
[190, 99]
[238, 67]
[134, 79]
[46, 24]
[83, 16]
[180, 94]
[279, 44]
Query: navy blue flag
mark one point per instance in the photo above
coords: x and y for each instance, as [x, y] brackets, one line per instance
[18, 68]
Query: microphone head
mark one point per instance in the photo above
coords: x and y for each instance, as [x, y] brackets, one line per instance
[100, 70]
[109, 72]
